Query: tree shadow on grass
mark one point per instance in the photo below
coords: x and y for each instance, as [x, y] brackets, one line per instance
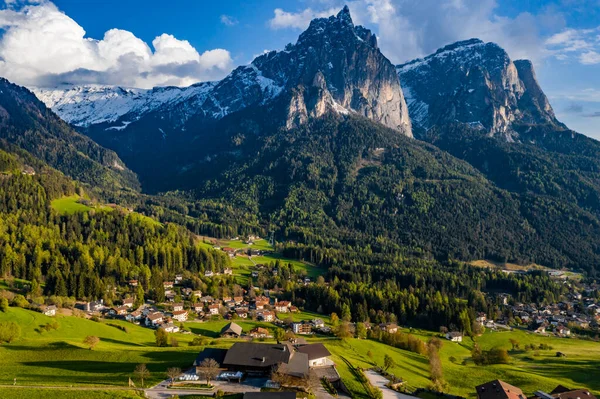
[202, 331]
[125, 343]
[60, 345]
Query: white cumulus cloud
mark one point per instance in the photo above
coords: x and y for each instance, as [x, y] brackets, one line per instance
[42, 46]
[299, 20]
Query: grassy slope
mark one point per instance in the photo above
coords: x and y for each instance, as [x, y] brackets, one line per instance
[69, 205]
[34, 393]
[59, 357]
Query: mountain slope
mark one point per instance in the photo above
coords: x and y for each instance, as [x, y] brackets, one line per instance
[474, 83]
[27, 123]
[471, 100]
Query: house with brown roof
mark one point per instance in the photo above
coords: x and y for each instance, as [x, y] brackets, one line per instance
[499, 390]
[214, 309]
[283, 306]
[180, 315]
[266, 315]
[231, 330]
[259, 332]
[154, 319]
[128, 302]
[177, 307]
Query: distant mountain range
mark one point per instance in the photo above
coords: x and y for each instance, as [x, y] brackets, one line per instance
[456, 155]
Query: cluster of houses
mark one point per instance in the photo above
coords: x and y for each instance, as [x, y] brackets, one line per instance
[198, 306]
[498, 389]
[577, 310]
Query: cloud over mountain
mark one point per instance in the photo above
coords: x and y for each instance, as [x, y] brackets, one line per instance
[41, 45]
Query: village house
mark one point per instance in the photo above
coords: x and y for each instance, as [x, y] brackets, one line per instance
[170, 295]
[170, 328]
[92, 306]
[198, 307]
[259, 332]
[180, 315]
[257, 359]
[228, 271]
[197, 294]
[391, 328]
[267, 316]
[562, 330]
[301, 328]
[238, 299]
[119, 311]
[48, 310]
[242, 313]
[318, 355]
[318, 323]
[282, 306]
[177, 307]
[133, 283]
[229, 251]
[154, 319]
[214, 309]
[231, 330]
[499, 390]
[208, 273]
[207, 299]
[134, 316]
[168, 284]
[178, 278]
[454, 336]
[128, 302]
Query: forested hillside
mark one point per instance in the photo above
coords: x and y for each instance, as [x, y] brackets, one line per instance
[83, 254]
[348, 181]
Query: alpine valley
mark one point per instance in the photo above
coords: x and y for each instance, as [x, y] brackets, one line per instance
[388, 193]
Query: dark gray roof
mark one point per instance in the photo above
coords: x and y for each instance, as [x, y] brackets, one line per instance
[232, 328]
[257, 355]
[211, 353]
[297, 366]
[314, 351]
[270, 395]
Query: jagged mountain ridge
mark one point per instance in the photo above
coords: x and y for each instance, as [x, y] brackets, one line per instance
[475, 83]
[334, 66]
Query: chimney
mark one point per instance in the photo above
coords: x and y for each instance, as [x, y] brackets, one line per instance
[263, 359]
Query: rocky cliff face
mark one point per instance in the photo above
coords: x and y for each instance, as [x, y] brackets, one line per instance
[334, 67]
[475, 83]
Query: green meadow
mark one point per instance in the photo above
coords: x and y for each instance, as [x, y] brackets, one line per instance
[69, 205]
[40, 393]
[59, 358]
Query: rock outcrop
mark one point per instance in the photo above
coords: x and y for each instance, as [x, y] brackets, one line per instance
[474, 83]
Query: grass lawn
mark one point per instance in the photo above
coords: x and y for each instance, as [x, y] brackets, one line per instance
[69, 205]
[242, 266]
[260, 245]
[59, 357]
[581, 367]
[37, 393]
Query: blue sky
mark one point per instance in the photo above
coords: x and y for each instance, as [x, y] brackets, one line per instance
[147, 43]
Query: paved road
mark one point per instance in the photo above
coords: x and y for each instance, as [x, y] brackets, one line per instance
[379, 381]
[161, 391]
